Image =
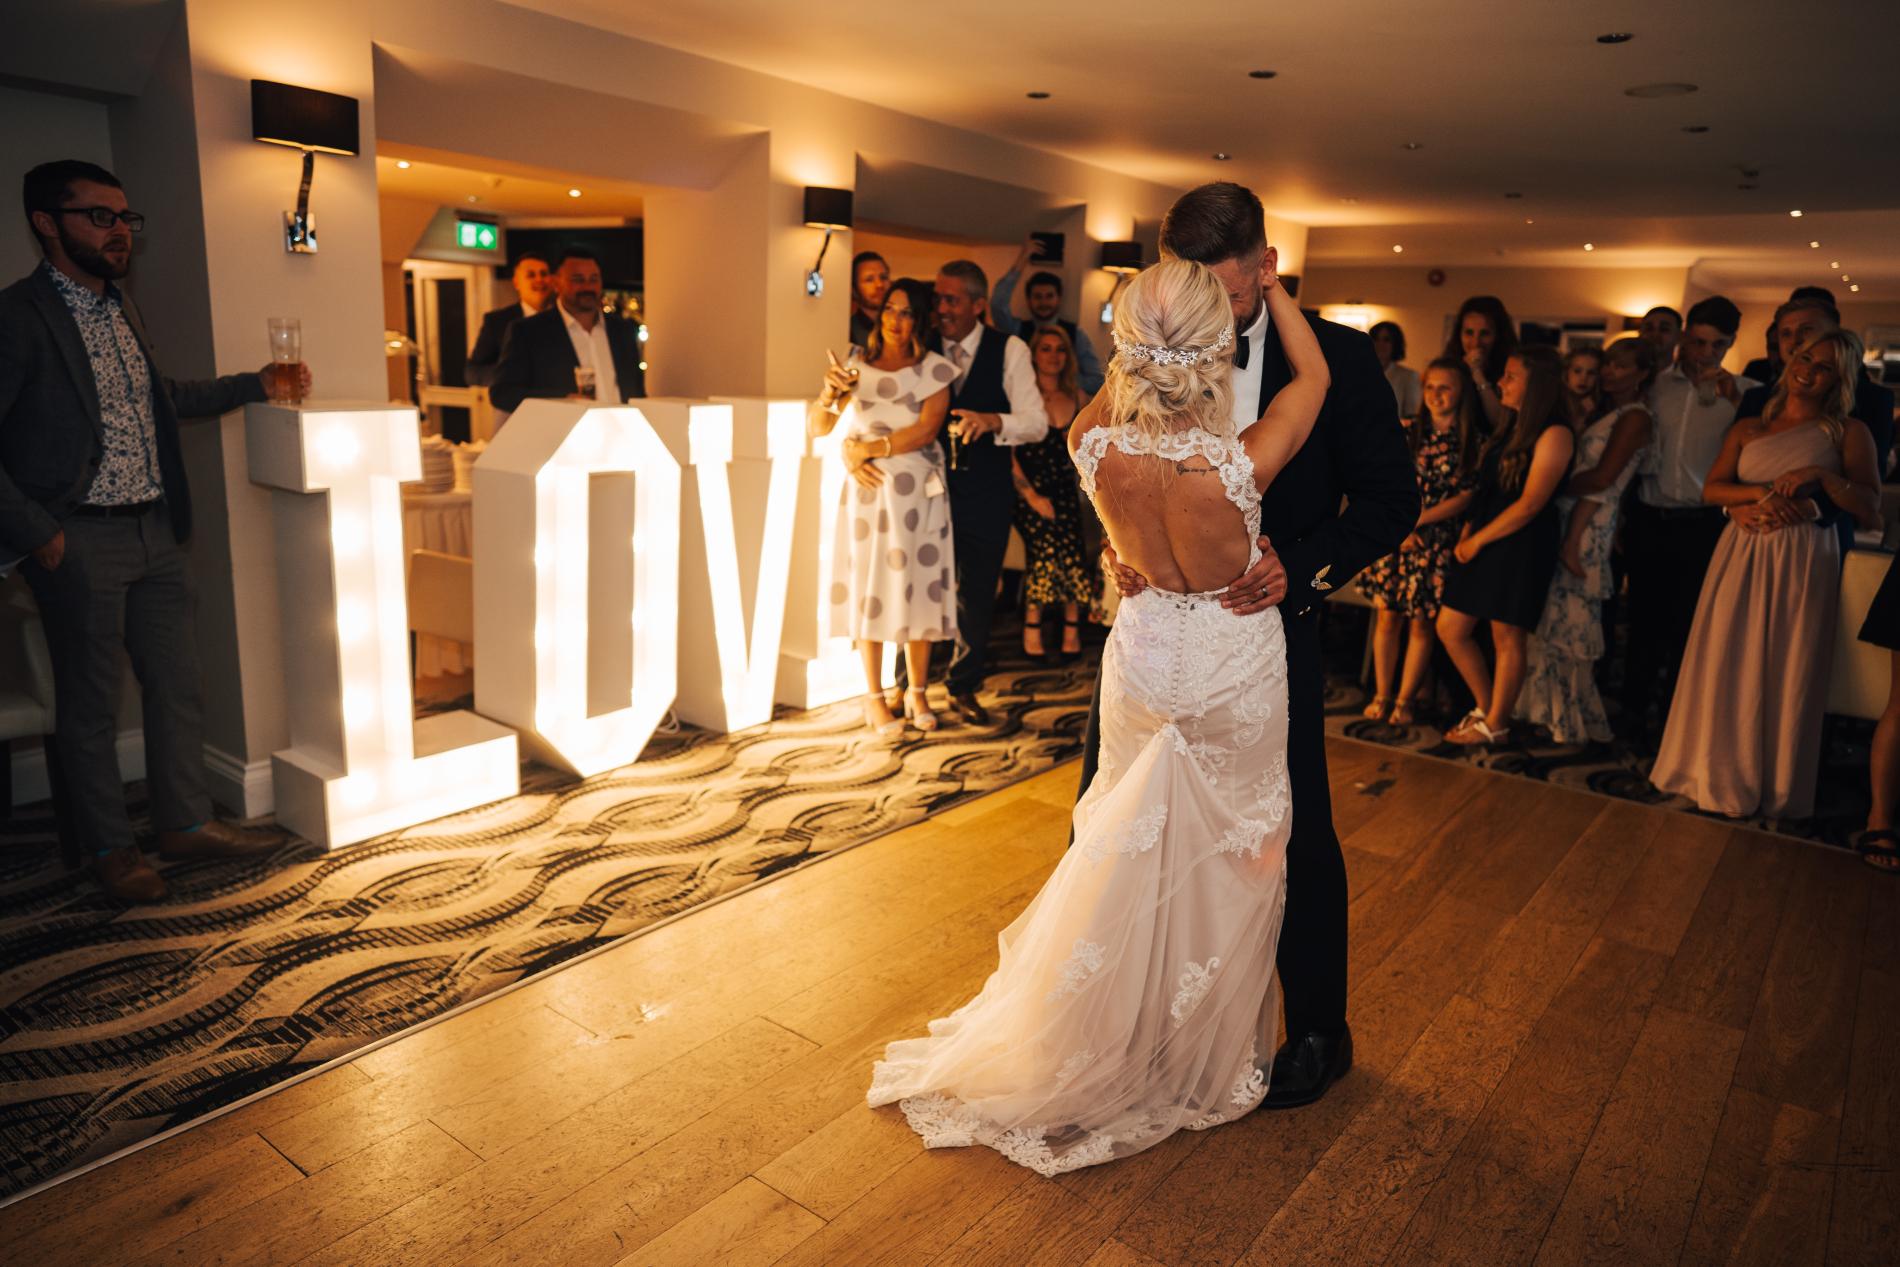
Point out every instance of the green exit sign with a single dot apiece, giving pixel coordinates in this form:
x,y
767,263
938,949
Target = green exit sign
x,y
473,235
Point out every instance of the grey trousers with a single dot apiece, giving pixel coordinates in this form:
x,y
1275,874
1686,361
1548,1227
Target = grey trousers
x,y
122,587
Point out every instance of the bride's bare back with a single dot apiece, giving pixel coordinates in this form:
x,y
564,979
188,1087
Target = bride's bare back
x,y
1171,519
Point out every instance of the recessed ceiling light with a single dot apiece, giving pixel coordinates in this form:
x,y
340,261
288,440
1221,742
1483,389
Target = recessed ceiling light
x,y
1846,278
1530,222
1412,145
1397,249
1695,129
1262,74
1833,263
1815,245
1796,214
473,198
1855,288
1514,195
403,163
1615,37
1222,156
1659,90
1589,246
573,193
1037,96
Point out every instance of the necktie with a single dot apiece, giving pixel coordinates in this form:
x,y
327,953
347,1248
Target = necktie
x,y
1243,347
958,358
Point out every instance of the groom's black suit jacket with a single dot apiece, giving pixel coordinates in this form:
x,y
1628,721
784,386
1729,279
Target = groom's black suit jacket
x,y
1357,453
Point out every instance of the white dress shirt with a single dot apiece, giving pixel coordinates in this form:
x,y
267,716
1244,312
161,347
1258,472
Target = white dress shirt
x,y
1027,421
1247,382
1406,389
596,354
1688,439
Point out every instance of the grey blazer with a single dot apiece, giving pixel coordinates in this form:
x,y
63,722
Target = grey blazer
x,y
51,435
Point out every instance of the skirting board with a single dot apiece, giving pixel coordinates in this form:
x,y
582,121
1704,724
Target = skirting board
x,y
232,783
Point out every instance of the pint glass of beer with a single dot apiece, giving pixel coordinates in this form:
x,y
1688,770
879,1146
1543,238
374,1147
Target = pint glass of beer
x,y
285,380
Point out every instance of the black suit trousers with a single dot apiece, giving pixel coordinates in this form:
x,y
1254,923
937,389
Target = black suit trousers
x,y
1312,957
1666,555
980,518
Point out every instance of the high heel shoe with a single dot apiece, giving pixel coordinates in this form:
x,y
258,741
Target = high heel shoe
x,y
885,727
1071,631
917,710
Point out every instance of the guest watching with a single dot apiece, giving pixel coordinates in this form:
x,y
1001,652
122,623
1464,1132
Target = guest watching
x,y
893,567
1744,731
1505,556
1560,689
93,494
1049,503
1405,587
534,287
994,406
1483,336
1043,295
543,352
1879,844
870,282
1671,532
1581,368
1388,341
1661,328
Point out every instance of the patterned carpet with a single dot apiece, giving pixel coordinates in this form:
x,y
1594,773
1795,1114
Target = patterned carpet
x,y
1619,769
115,1025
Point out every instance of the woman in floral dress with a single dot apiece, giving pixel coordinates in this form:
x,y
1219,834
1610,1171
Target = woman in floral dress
x,y
1404,586
1049,504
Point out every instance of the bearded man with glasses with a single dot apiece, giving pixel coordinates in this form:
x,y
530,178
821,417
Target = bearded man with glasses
x,y
95,509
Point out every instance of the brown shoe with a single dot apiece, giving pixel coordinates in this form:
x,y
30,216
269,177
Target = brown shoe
x,y
968,709
128,877
216,840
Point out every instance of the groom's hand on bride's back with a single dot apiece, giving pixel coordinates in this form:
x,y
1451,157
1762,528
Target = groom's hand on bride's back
x,y
1261,586
1128,582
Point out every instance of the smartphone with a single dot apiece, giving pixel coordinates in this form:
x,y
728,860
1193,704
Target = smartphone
x,y
1048,248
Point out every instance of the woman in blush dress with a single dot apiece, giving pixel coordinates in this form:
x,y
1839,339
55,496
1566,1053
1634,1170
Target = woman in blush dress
x,y
1504,559
1405,587
1560,689
893,571
1744,729
1136,995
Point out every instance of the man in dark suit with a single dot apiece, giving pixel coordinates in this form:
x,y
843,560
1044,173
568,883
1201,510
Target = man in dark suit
x,y
542,352
93,501
1357,453
534,286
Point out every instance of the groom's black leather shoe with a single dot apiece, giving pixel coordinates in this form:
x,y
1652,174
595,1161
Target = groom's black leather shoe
x,y
1305,1067
968,709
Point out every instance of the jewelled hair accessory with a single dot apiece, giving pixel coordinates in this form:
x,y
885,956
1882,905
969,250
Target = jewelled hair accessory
x,y
1174,356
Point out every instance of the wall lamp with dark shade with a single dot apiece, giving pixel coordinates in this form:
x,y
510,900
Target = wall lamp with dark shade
x,y
309,120
830,210
1124,260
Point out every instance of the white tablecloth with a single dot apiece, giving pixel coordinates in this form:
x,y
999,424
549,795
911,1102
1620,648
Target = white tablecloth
x,y
444,522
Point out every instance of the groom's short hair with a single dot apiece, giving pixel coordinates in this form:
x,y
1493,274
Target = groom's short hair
x,y
1216,222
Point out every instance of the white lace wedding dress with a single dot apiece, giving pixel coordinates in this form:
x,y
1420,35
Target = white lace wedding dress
x,y
1136,994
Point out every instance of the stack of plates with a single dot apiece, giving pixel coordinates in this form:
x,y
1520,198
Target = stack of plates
x,y
465,458
438,465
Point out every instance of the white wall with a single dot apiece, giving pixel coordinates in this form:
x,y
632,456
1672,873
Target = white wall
x,y
37,127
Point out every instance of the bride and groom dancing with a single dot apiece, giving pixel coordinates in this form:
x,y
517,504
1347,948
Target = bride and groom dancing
x,y
1137,994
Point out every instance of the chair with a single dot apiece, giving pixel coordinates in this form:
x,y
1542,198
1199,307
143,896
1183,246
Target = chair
x,y
26,710
441,598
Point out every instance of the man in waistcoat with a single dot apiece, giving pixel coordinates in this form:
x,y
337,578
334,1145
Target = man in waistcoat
x,y
994,406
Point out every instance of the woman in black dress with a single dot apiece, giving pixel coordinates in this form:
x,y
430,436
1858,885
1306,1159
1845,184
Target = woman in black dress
x,y
1048,505
1880,843
1508,552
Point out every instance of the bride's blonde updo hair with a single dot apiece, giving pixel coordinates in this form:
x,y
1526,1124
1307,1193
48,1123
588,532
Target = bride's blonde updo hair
x,y
1179,305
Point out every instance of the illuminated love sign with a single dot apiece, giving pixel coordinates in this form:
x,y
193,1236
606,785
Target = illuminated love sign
x,y
607,589
358,764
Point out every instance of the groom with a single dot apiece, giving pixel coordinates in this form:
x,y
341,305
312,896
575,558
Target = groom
x,y
1357,453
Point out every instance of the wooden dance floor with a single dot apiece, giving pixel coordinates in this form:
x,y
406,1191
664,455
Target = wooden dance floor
x,y
1587,1031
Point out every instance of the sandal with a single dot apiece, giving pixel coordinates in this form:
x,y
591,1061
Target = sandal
x,y
1032,640
1475,732
885,727
1401,714
1071,632
917,710
1377,709
1879,849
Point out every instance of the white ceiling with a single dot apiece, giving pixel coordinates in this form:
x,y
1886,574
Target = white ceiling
x,y
1501,95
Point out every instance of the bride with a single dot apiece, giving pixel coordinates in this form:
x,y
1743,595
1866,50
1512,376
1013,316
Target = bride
x,y
1135,996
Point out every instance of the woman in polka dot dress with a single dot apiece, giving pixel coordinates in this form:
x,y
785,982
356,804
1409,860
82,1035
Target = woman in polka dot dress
x,y
893,572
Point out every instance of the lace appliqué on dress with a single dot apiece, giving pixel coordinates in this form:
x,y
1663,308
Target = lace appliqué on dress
x,y
1084,961
1139,835
1196,980
1272,797
1249,1089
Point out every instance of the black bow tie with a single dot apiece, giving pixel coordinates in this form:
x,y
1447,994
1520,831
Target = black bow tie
x,y
1243,347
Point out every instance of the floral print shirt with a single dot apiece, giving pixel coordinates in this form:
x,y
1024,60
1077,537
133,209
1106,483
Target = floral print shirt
x,y
128,470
